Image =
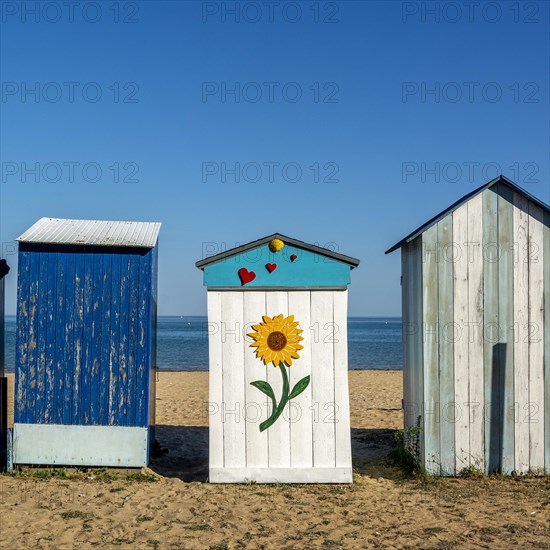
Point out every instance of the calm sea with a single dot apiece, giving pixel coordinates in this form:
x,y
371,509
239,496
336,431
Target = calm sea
x,y
374,343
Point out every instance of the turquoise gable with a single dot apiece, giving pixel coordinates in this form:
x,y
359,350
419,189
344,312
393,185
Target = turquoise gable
x,y
307,269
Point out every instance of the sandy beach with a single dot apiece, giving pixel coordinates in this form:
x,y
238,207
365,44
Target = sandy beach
x,y
170,505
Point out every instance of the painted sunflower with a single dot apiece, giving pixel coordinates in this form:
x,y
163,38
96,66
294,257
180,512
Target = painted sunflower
x,y
277,340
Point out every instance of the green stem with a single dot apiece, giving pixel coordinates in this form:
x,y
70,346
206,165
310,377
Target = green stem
x,y
277,410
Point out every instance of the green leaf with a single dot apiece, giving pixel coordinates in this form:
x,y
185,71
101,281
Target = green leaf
x,y
299,387
265,388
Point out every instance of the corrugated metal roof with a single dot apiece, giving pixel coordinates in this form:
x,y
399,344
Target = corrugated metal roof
x,y
92,233
500,179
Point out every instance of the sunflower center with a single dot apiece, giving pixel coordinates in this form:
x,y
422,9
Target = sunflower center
x,y
276,341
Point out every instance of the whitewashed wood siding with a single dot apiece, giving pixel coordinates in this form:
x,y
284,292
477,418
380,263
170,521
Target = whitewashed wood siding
x,y
476,336
311,440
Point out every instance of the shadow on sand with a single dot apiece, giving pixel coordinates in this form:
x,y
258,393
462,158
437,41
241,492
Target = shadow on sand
x,y
187,457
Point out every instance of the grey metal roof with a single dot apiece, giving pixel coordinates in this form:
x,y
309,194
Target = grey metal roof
x,y
92,233
353,262
500,179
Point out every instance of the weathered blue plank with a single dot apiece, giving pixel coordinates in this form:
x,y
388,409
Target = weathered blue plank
x,y
142,382
33,343
78,338
22,342
114,344
41,335
505,349
87,339
446,344
133,339
105,339
50,380
70,315
122,388
60,320
95,372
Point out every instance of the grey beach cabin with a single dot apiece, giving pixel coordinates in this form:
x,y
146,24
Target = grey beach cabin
x,y
86,343
476,334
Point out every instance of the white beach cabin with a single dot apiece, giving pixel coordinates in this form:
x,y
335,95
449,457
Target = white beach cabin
x,y
277,323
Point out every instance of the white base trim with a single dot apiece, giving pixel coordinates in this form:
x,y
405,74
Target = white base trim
x,y
48,444
281,475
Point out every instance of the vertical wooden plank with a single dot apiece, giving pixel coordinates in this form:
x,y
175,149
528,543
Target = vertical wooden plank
x,y
474,330
215,381
258,405
461,316
506,324
105,312
22,348
341,389
447,409
417,351
88,337
406,336
79,337
41,336
142,374
322,379
69,338
491,376
51,324
133,338
60,320
114,340
535,408
300,409
122,387
546,416
430,307
234,430
30,415
279,433
95,373
521,320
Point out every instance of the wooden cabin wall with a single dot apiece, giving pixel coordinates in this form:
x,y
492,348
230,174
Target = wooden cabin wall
x,y
485,349
314,432
83,338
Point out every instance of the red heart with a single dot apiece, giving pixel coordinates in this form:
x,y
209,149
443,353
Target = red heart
x,y
271,267
293,257
246,276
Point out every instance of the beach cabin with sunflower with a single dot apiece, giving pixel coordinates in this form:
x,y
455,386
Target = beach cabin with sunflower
x,y
278,386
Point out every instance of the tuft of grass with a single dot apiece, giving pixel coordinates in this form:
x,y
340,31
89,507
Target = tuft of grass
x,y
147,478
471,471
406,453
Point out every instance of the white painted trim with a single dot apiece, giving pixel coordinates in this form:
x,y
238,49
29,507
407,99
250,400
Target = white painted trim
x,y
281,475
48,444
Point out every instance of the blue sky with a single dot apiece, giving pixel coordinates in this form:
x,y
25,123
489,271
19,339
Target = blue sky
x,y
401,111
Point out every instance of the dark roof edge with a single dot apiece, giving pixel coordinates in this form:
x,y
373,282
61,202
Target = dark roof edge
x,y
353,262
465,198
